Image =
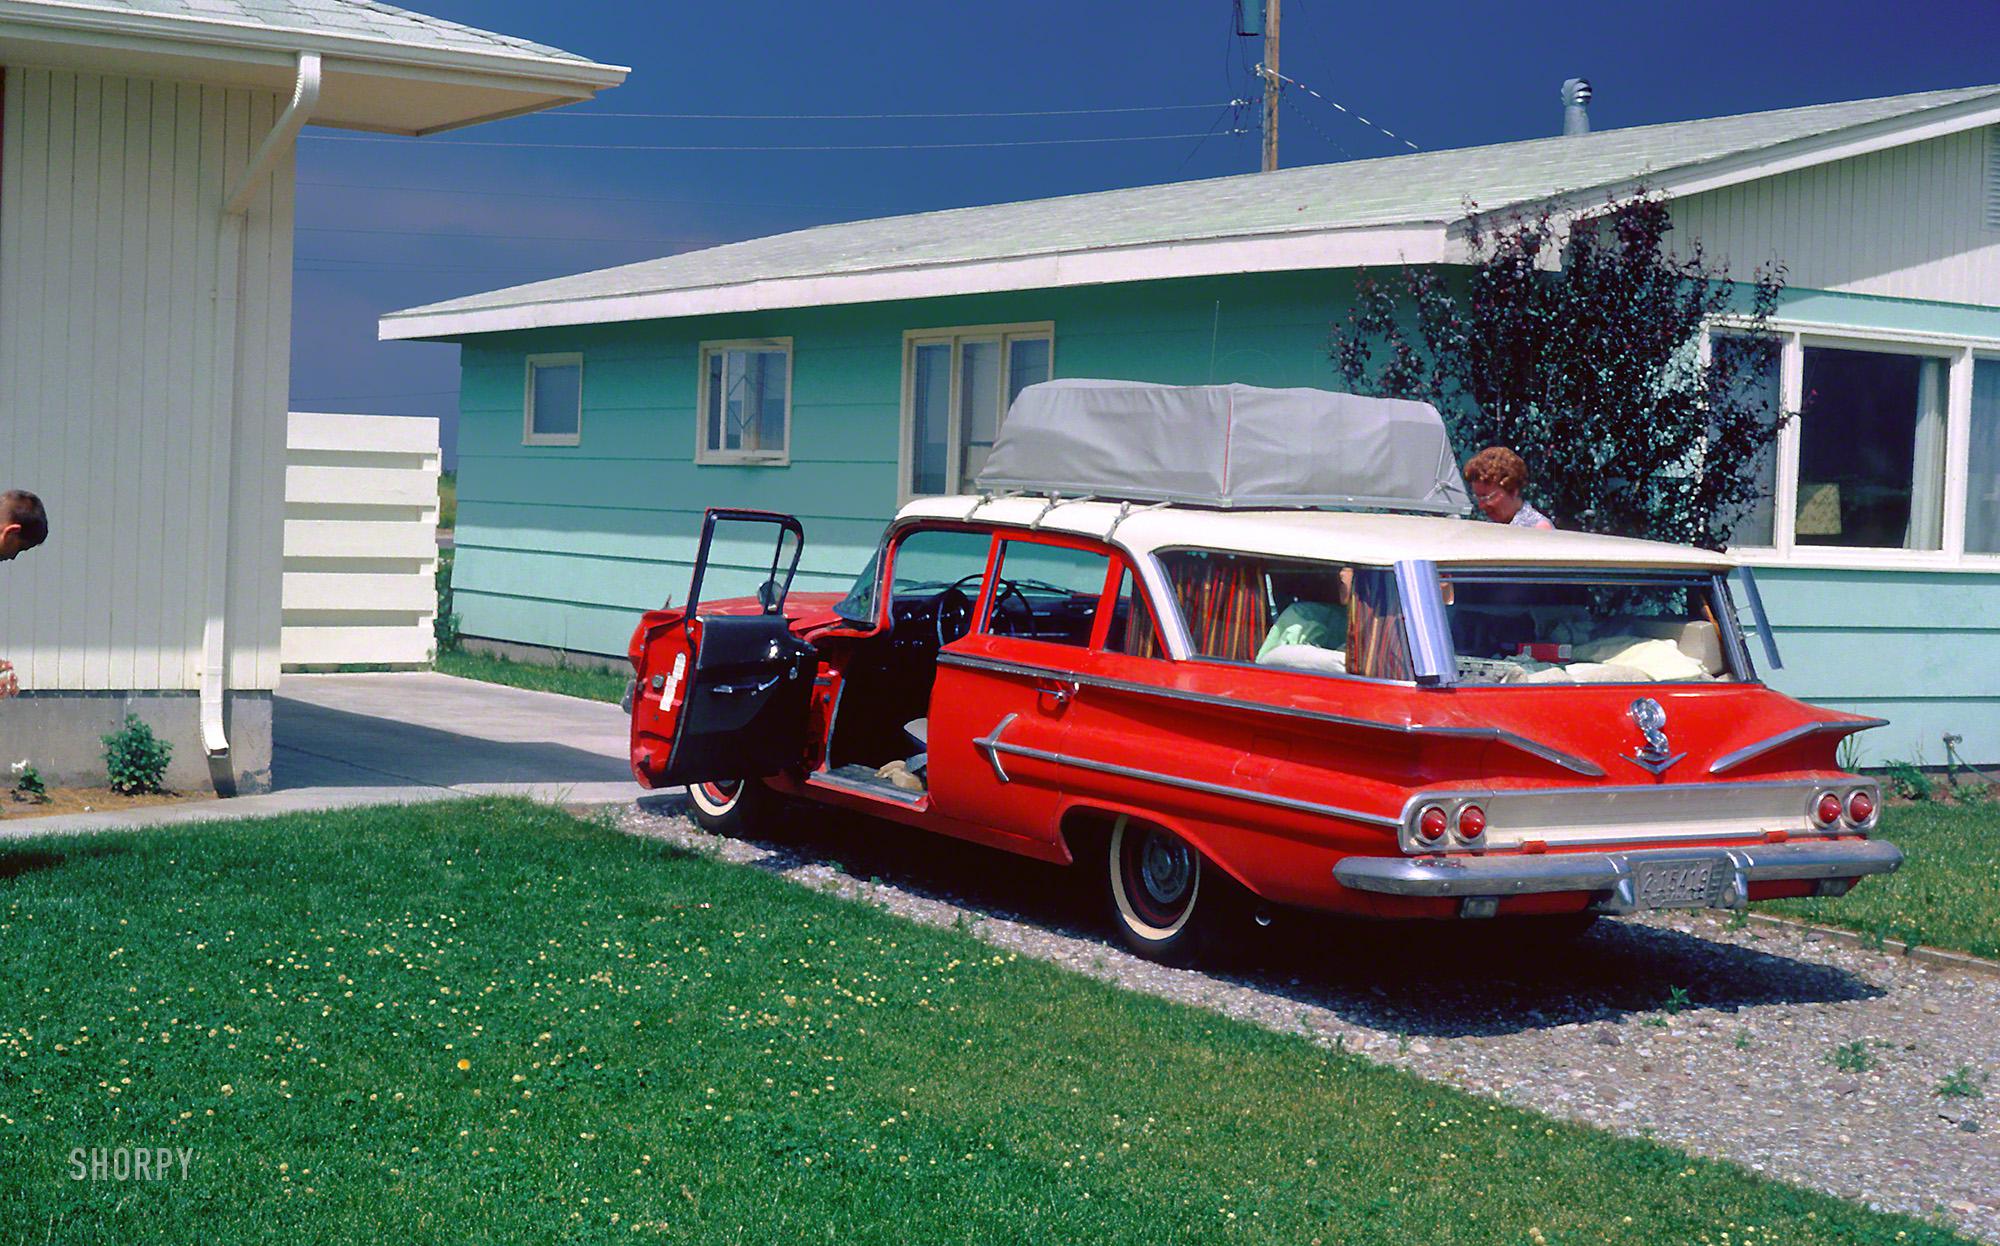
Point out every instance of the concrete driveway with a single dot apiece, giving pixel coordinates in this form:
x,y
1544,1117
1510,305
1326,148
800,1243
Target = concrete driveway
x,y
397,737
424,730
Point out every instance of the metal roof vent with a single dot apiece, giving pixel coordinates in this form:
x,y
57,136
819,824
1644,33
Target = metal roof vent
x,y
1576,106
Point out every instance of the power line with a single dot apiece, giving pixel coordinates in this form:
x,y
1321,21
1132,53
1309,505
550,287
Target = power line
x,y
1314,127
470,236
761,147
420,393
1233,114
1342,107
568,196
333,264
885,116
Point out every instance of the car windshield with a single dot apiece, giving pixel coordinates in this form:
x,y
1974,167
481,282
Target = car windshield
x,y
927,562
1556,627
1298,614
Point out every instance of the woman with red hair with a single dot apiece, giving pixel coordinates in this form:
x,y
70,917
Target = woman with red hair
x,y
1496,476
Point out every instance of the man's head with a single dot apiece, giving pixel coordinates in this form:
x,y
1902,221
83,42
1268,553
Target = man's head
x,y
23,522
1495,475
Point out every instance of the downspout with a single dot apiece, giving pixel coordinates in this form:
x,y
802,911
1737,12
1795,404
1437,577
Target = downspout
x,y
226,300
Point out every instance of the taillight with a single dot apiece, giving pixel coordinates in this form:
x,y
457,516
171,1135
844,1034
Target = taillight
x,y
1431,824
1471,823
1827,811
1860,806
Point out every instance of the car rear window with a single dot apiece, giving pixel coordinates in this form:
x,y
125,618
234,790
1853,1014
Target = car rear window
x,y
1551,627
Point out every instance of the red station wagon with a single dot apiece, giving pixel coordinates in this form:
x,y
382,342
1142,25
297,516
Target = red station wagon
x,y
1236,649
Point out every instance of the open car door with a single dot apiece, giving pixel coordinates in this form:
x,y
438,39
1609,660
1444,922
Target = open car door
x,y
723,691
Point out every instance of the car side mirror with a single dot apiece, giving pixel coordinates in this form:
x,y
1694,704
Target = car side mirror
x,y
767,596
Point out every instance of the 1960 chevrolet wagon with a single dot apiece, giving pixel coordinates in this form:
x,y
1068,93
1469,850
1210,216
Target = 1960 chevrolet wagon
x,y
1232,648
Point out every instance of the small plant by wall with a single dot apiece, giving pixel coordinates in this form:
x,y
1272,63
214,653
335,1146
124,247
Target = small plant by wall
x,y
28,785
1907,780
135,760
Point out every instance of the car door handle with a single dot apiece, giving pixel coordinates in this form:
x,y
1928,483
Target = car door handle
x,y
732,690
1060,693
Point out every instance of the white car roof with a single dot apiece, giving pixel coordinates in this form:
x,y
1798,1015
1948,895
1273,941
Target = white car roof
x,y
1341,536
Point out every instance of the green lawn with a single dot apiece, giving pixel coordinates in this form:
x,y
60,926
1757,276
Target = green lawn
x,y
575,681
494,1022
1946,895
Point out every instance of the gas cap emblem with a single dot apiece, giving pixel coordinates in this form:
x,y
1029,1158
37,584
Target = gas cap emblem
x,y
1656,754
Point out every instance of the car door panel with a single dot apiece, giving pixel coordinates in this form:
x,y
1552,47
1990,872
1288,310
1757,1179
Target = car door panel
x,y
724,691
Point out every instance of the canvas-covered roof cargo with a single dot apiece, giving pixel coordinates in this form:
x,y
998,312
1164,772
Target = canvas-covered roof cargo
x,y
1226,446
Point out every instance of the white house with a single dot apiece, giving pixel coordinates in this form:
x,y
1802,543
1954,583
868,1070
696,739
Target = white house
x,y
146,208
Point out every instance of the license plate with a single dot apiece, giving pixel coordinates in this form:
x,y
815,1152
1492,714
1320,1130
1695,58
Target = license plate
x,y
1672,884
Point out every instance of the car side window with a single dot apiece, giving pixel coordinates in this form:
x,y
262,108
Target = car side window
x,y
1133,630
1049,593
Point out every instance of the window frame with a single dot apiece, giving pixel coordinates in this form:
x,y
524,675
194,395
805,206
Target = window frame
x,y
1959,351
555,359
1181,647
1100,620
704,456
956,336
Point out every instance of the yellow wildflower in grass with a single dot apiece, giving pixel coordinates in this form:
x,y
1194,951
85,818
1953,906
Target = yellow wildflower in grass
x,y
464,1065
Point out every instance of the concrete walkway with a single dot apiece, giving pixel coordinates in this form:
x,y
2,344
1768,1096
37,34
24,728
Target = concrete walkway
x,y
344,740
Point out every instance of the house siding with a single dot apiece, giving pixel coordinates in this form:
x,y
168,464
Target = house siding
x,y
112,399
1909,222
1921,649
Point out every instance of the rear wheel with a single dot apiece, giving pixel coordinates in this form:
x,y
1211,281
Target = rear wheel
x,y
738,808
1165,903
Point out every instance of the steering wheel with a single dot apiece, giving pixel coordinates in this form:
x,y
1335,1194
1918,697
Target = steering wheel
x,y
1009,588
953,615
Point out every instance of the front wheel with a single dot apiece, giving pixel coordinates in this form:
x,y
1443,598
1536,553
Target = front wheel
x,y
739,808
1164,903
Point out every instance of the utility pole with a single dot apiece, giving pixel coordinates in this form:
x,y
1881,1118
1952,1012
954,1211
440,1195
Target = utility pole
x,y
1272,83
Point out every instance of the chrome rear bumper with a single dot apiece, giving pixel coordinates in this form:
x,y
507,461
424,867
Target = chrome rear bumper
x,y
1612,874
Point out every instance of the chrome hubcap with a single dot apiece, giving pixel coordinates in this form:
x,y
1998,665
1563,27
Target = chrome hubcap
x,y
1164,869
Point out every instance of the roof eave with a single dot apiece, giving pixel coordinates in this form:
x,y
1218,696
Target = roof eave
x,y
236,53
1410,243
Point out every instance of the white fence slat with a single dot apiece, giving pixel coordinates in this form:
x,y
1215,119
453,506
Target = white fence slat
x,y
372,592
370,486
332,646
385,434
345,538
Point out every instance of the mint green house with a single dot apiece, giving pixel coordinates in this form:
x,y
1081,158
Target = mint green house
x,y
837,372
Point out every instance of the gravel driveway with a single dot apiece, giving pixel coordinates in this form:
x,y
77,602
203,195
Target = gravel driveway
x,y
1796,1056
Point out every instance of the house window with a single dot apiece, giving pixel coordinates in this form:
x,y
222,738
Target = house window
x,y
1893,460
1982,484
745,402
1755,375
1871,451
957,386
554,414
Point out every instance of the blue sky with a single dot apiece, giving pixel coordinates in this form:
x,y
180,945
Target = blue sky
x,y
389,224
